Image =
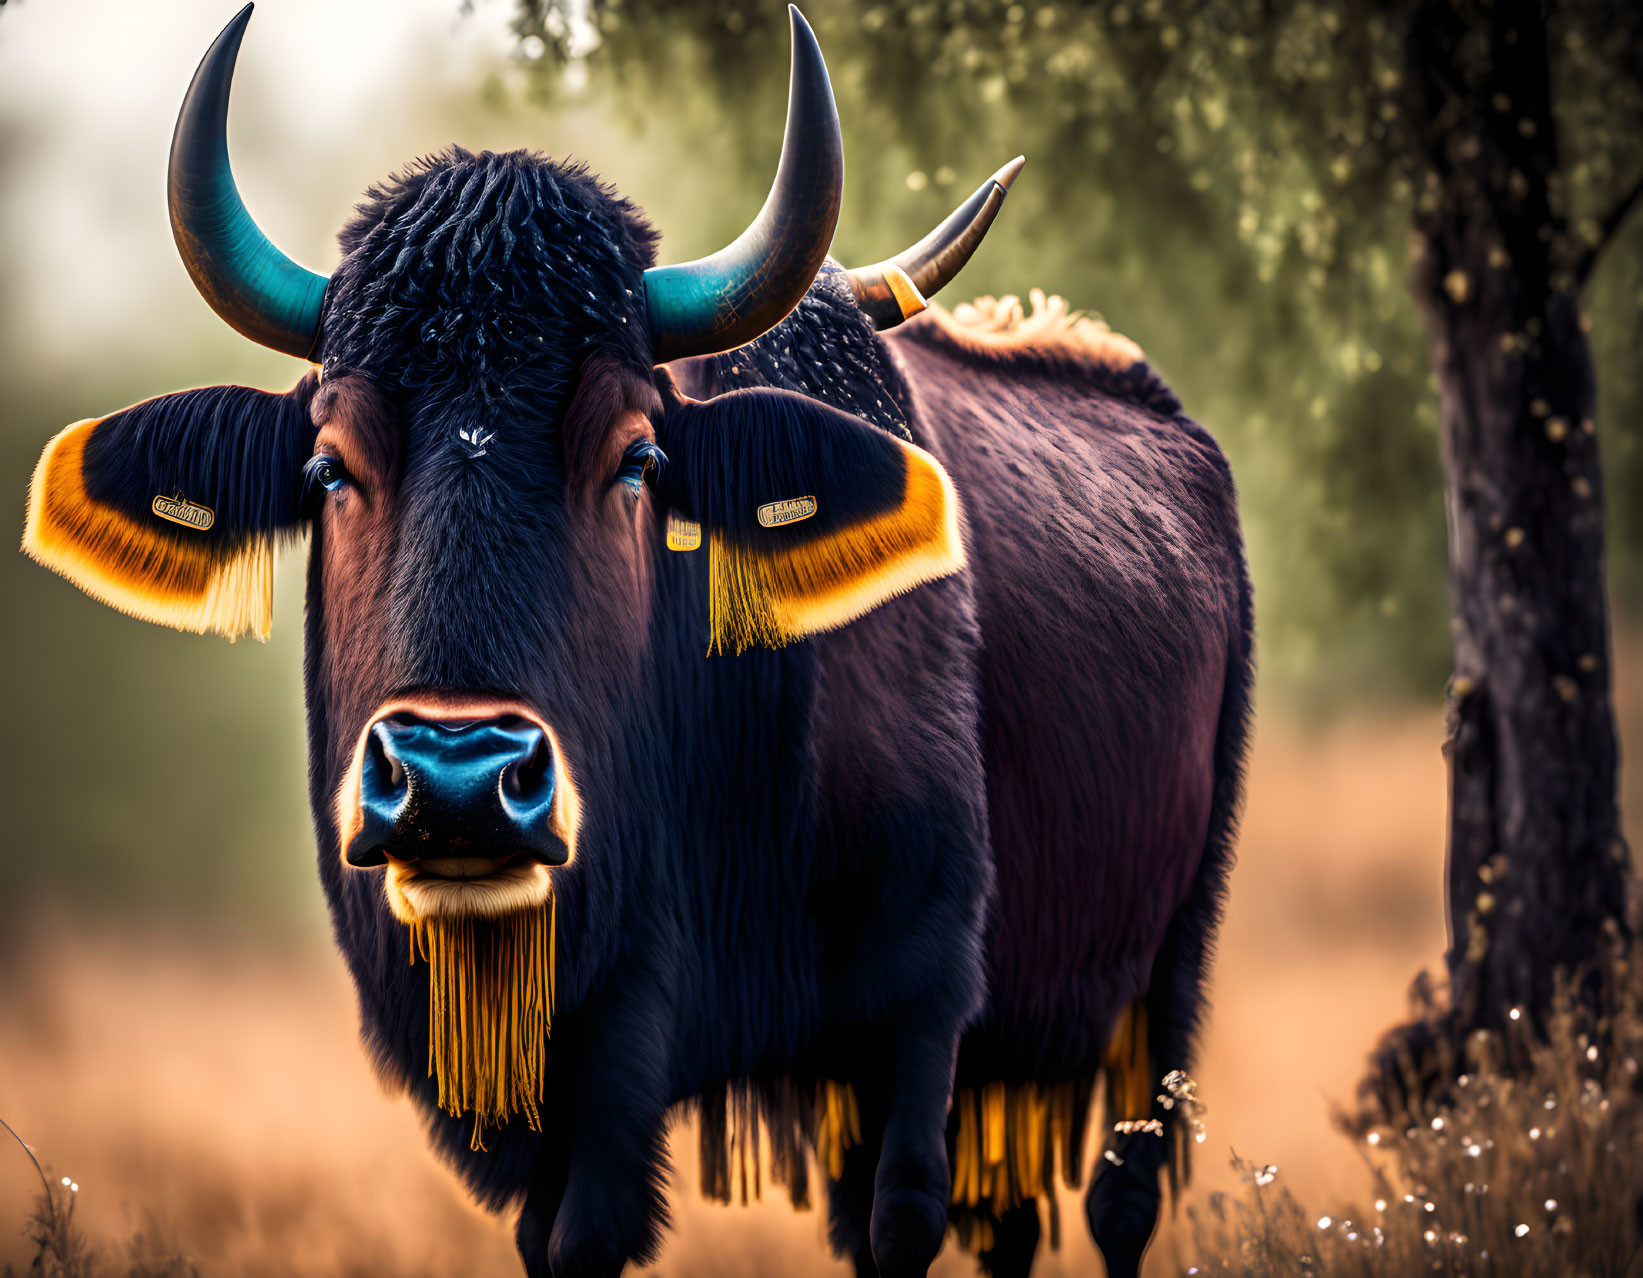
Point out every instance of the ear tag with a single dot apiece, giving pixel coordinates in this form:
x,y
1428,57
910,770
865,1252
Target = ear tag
x,y
179,510
774,514
682,534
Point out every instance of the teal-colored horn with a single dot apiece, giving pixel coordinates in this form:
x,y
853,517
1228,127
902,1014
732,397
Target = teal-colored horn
x,y
246,280
745,289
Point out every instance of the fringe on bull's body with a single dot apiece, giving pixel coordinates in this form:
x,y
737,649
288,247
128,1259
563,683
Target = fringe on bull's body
x,y
1006,1140
490,1012
754,1132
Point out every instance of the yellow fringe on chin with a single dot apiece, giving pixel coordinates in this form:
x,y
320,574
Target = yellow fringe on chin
x,y
141,572
768,599
490,1007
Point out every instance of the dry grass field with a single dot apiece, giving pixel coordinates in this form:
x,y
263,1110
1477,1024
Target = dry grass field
x,y
211,1101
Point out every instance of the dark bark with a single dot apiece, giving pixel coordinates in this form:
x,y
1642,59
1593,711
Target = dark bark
x,y
1536,863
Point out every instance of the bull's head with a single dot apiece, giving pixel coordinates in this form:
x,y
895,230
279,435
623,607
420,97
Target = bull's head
x,y
521,535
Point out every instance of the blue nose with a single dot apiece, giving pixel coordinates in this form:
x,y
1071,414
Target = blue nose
x,y
456,788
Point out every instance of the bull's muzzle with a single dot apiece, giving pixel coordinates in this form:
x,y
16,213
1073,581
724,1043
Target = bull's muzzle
x,y
459,799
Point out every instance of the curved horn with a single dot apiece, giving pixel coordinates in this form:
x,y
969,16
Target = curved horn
x,y
243,277
745,289
896,289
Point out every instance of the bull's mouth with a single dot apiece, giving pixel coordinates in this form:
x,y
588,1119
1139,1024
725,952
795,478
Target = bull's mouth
x,y
466,887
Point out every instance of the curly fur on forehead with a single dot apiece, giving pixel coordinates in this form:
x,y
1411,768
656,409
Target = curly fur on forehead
x,y
496,274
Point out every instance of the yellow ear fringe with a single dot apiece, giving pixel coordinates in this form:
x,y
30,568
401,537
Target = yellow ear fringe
x,y
490,1010
116,560
764,599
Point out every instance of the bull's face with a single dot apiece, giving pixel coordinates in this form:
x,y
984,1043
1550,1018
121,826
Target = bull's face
x,y
496,483
481,494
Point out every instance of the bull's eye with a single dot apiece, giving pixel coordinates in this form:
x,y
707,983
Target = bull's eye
x,y
641,464
323,474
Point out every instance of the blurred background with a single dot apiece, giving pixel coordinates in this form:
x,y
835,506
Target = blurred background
x,y
176,1032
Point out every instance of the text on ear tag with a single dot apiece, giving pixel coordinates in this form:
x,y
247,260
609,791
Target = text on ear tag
x,y
187,513
683,534
774,514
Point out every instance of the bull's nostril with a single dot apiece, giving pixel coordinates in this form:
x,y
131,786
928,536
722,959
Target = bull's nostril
x,y
386,768
531,773
527,783
485,785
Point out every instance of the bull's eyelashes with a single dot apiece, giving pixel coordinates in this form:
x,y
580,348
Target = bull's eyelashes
x,y
322,474
642,464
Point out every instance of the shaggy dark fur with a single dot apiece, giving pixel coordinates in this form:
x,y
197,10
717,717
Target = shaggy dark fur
x,y
1115,678
786,858
762,870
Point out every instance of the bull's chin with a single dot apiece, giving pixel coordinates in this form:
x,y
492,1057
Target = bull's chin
x,y
465,887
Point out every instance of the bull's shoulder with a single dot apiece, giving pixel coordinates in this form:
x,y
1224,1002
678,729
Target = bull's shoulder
x,y
999,334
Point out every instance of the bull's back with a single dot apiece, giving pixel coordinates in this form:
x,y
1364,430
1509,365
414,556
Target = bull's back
x,y
1103,542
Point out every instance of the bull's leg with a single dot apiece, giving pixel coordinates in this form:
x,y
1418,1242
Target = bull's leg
x,y
612,1208
1015,1242
912,1183
541,1206
1122,1203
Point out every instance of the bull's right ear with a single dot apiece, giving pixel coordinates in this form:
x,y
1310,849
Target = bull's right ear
x,y
169,510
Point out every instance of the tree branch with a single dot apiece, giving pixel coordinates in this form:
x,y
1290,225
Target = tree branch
x,y
1607,228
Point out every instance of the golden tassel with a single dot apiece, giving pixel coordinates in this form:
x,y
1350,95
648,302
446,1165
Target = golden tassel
x,y
768,598
191,583
490,1003
1130,1084
1009,1139
838,1126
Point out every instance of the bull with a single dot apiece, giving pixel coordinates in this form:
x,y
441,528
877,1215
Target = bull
x,y
745,696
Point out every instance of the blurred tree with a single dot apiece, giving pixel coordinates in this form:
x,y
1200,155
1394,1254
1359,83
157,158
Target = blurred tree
x,y
1536,860
1261,164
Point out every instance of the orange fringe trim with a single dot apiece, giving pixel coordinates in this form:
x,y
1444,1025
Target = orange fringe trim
x,y
137,570
795,1122
490,1009
1010,1138
759,599
1012,1135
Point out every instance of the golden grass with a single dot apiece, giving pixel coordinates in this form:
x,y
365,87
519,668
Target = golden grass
x,y
210,1093
1530,1167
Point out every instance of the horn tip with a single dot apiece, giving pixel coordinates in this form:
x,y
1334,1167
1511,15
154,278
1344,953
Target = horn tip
x,y
1008,174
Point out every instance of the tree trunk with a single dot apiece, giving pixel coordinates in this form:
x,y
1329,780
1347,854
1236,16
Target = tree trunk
x,y
1537,867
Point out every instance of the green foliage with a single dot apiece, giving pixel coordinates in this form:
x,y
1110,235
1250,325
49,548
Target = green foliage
x,y
1229,184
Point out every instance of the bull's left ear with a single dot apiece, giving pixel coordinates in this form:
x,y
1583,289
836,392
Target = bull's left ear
x,y
169,510
812,517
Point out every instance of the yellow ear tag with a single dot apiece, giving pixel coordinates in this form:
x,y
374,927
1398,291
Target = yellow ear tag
x,y
187,513
774,514
683,534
